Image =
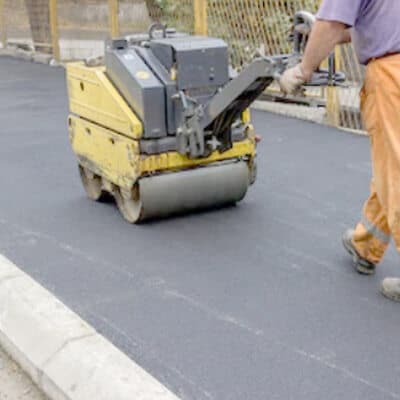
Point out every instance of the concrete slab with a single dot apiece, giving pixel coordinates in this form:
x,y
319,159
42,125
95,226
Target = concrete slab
x,y
93,369
311,114
42,58
63,355
14,383
32,321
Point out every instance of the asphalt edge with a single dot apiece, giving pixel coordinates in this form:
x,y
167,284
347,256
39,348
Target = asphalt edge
x,y
63,355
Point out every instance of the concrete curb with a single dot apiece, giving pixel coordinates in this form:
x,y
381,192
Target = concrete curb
x,y
305,113
65,356
312,114
28,55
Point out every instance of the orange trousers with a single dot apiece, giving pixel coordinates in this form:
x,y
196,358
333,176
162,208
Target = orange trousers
x,y
380,104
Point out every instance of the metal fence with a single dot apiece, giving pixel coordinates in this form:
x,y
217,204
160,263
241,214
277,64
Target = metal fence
x,y
76,29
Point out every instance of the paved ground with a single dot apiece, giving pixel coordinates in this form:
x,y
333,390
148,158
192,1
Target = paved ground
x,y
14,385
253,302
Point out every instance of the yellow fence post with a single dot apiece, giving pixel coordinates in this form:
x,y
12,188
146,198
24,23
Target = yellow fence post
x,y
200,17
3,29
113,9
333,98
55,39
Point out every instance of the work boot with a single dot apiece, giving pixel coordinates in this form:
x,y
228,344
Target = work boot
x,y
362,265
390,288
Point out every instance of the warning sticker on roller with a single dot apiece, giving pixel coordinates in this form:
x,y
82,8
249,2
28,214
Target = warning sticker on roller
x,y
143,75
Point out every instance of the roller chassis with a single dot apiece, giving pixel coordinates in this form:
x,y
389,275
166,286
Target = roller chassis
x,y
106,137
163,127
115,157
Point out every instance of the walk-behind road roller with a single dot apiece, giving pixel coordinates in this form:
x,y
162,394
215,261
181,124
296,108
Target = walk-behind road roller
x,y
163,125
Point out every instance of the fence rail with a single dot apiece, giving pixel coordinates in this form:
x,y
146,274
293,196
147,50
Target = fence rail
x,y
76,29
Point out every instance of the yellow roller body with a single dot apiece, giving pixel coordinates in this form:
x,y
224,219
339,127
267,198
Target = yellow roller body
x,y
92,96
105,136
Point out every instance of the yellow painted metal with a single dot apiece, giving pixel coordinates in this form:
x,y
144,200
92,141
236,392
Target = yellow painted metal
x,y
112,156
113,10
55,40
116,157
200,16
246,116
332,99
93,97
105,133
173,161
3,29
332,106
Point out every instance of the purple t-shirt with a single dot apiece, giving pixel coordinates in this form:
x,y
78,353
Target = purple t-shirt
x,y
375,23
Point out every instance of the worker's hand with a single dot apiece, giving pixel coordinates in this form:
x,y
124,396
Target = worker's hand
x,y
292,80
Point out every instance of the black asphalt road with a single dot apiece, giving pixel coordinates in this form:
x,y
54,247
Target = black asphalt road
x,y
253,302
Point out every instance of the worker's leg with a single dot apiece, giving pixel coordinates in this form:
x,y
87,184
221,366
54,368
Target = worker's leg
x,y
381,105
371,237
386,141
387,156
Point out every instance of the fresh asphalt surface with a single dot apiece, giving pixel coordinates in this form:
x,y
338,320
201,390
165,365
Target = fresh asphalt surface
x,y
253,302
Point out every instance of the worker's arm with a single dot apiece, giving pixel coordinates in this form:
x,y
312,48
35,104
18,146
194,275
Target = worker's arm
x,y
324,36
346,38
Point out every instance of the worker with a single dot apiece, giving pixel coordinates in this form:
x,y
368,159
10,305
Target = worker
x,y
374,28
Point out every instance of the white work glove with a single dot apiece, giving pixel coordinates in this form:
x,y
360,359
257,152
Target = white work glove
x,y
292,80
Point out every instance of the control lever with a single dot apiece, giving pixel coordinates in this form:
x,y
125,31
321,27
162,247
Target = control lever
x,y
303,24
